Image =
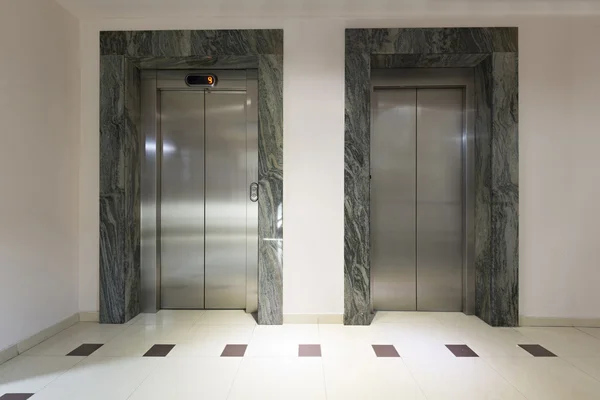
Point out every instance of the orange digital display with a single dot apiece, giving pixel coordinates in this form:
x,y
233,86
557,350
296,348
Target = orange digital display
x,y
201,80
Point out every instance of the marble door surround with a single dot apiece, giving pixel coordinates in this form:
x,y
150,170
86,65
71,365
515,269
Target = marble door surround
x,y
123,54
493,54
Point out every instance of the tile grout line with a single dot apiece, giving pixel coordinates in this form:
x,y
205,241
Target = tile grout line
x,y
589,334
237,371
578,368
55,379
322,362
141,383
414,378
503,377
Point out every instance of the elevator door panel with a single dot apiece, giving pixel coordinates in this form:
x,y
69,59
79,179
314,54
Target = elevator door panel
x,y
182,199
393,199
416,199
439,200
226,194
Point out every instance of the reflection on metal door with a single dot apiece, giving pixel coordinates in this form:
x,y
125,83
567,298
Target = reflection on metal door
x,y
439,202
416,199
182,199
199,220
226,196
393,200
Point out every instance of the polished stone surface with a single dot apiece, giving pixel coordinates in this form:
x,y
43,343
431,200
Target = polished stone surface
x,y
132,155
536,350
272,368
461,350
492,53
505,191
114,255
357,285
426,60
270,195
123,54
183,43
198,62
483,187
432,40
85,350
119,190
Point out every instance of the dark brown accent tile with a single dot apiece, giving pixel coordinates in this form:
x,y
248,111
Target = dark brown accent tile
x,y
461,350
385,350
234,350
536,350
85,349
159,350
309,350
16,396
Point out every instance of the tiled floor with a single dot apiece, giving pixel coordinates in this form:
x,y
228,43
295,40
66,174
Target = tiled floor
x,y
225,355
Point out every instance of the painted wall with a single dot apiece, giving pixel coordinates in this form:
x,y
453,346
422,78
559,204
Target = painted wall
x,y
39,162
559,219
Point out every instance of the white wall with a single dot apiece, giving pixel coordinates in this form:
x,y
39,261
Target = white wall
x,y
558,139
560,169
39,162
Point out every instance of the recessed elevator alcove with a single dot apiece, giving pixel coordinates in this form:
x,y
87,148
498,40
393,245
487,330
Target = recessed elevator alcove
x,y
124,57
490,250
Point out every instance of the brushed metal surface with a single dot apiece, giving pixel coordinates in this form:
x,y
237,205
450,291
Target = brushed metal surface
x,y
439,199
149,255
444,78
173,111
182,199
251,176
393,201
226,197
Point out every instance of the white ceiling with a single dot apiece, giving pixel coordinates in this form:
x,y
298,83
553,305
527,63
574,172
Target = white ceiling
x,y
93,9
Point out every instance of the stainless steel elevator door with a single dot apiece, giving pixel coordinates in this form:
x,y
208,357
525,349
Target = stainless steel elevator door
x,y
416,204
199,243
182,199
393,199
226,197
439,199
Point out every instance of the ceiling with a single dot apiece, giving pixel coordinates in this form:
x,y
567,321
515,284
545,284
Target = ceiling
x,y
94,9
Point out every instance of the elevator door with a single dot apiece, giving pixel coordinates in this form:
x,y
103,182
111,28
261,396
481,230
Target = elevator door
x,y
416,199
203,200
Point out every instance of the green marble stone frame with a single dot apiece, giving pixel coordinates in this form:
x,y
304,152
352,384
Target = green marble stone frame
x,y
122,55
493,54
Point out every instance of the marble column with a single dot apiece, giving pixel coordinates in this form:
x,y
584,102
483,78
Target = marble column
x,y
492,52
123,54
119,190
504,272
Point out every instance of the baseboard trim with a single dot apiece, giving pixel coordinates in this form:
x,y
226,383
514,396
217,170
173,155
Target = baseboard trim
x,y
313,318
24,345
39,337
551,322
8,353
89,316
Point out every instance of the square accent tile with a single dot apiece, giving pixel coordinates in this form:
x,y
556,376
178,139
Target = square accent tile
x,y
85,350
385,350
234,350
159,350
16,396
536,350
461,350
309,350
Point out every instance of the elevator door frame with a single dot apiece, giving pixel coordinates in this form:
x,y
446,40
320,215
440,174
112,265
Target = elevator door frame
x,y
152,83
423,78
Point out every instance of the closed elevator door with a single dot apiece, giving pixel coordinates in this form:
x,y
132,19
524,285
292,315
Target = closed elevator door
x,y
416,199
203,199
